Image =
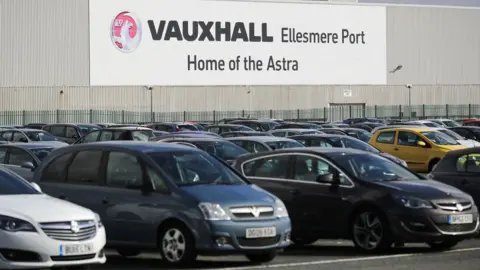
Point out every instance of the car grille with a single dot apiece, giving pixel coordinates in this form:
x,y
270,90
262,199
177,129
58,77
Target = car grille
x,y
258,242
454,206
70,230
252,212
454,228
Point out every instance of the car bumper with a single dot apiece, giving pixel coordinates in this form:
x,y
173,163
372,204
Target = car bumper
x,y
431,225
33,250
230,236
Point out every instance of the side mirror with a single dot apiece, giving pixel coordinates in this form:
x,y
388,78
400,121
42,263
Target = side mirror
x,y
36,186
421,144
28,165
327,178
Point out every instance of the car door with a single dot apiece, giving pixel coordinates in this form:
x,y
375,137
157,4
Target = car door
x,y
406,148
59,132
71,134
90,137
322,206
467,178
385,142
106,135
19,137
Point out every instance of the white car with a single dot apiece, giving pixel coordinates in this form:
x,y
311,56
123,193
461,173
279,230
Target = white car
x,y
39,231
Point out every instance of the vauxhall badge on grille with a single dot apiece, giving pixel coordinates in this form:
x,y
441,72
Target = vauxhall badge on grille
x,y
74,226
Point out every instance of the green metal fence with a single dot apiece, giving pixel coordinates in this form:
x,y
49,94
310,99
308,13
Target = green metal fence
x,y
328,114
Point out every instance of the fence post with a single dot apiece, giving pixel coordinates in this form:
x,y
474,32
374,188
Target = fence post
x,y
243,113
214,117
271,114
90,116
375,111
57,120
298,114
400,113
446,110
350,111
123,116
184,116
24,116
469,110
423,111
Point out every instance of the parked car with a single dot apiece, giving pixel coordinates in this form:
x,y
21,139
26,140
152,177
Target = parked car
x,y
342,141
345,193
445,122
257,125
166,190
293,131
336,131
199,132
228,120
222,128
158,133
468,132
297,125
367,126
425,123
358,133
29,136
461,169
395,126
118,134
39,231
171,126
243,134
421,148
217,147
69,133
352,121
264,143
472,122
34,125
23,158
334,125
176,135
460,139
199,126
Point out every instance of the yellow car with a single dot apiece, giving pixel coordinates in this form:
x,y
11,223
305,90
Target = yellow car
x,y
421,148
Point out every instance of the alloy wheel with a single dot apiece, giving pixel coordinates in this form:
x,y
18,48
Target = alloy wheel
x,y
368,231
173,245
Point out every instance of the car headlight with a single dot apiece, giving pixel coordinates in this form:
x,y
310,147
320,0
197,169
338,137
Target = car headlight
x,y
213,211
412,202
11,224
280,209
98,220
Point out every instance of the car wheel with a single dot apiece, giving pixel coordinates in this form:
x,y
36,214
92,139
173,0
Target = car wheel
x,y
304,241
176,245
370,231
126,252
262,257
443,245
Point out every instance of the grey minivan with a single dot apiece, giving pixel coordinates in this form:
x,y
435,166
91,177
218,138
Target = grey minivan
x,y
176,199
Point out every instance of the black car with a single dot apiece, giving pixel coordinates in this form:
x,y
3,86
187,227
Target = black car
x,y
288,125
368,126
461,169
222,149
257,125
468,132
69,133
334,193
293,131
28,135
119,134
222,128
358,133
34,125
335,131
171,126
228,120
334,125
244,133
341,141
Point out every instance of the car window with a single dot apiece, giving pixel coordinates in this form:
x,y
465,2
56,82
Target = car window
x,y
439,138
320,143
123,170
222,149
42,153
265,126
86,129
18,157
254,147
142,135
57,131
106,135
164,128
408,139
386,137
302,141
13,184
229,135
19,137
40,136
3,153
187,128
158,182
269,167
7,135
212,129
70,132
245,128
469,163
308,168
450,123
452,134
276,145
279,134
91,137
359,145
85,167
54,171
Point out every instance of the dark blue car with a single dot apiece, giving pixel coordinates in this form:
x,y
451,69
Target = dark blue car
x,y
176,199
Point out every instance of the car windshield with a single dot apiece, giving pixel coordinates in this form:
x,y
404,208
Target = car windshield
x,y
87,129
347,142
221,149
431,124
439,138
275,145
142,135
450,123
42,153
362,135
39,136
195,168
373,168
452,134
13,184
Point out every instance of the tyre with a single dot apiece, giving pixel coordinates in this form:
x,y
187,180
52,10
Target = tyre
x,y
443,245
371,231
126,252
177,245
262,257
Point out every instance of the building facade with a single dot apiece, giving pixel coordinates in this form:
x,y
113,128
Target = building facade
x,y
45,65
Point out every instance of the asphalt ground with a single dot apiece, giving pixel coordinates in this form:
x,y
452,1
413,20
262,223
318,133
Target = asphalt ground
x,y
325,255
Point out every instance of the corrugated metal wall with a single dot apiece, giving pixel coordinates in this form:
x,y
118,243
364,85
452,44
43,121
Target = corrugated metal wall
x,y
44,51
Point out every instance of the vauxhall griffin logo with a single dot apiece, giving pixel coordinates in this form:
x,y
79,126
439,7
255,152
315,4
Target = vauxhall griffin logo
x,y
126,32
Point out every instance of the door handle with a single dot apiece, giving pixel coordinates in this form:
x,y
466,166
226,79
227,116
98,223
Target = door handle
x,y
295,191
63,197
396,149
105,201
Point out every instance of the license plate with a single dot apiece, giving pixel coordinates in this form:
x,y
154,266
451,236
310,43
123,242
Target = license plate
x,y
79,249
460,219
261,232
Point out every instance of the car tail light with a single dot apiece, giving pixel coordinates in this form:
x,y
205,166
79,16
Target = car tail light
x,y
177,129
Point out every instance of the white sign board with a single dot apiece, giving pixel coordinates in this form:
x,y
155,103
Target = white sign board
x,y
347,93
202,42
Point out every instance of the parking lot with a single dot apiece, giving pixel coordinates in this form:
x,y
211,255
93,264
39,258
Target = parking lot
x,y
328,255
